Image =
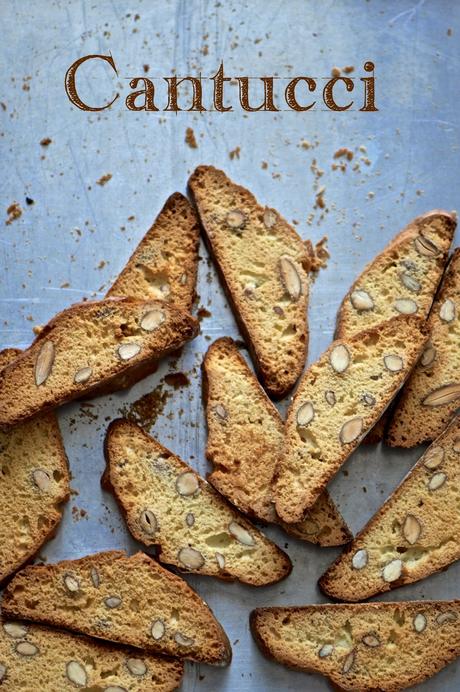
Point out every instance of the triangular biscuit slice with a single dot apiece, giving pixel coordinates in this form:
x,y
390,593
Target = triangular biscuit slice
x,y
169,505
245,437
34,482
164,264
365,647
33,657
414,534
264,267
432,393
340,397
87,346
129,600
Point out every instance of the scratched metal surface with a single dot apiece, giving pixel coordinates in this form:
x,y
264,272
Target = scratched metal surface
x,y
77,235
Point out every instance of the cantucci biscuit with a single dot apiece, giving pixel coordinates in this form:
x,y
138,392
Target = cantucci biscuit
x,y
364,647
129,600
164,264
88,346
245,436
33,657
264,267
34,483
414,534
167,504
432,393
340,397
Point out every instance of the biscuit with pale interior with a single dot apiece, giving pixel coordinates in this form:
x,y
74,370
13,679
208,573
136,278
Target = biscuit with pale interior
x,y
168,505
129,600
264,267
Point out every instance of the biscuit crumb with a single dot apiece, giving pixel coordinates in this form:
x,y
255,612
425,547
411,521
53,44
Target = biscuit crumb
x,y
46,141
37,329
343,151
190,138
319,254
235,153
14,212
336,72
104,179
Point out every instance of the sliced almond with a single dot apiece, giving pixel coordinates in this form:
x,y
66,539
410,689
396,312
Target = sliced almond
x,y
2,672
411,529
433,457
183,640
393,363
351,430
406,306
236,219
448,616
330,397
371,640
309,526
152,320
360,559
76,673
71,583
157,629
348,662
428,356
187,484
136,666
44,362
190,519
26,649
447,311
41,479
115,688
113,601
339,358
392,570
410,282
220,559
368,399
191,558
443,395
83,375
325,650
456,445
183,279
426,247
148,521
95,577
241,534
221,412
128,351
419,622
361,300
15,630
305,414
270,218
290,277
436,481
278,310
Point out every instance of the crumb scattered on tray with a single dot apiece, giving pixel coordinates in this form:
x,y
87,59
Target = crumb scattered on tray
x,y
190,138
46,141
37,329
234,153
343,151
177,379
146,410
104,179
14,212
30,201
319,254
203,313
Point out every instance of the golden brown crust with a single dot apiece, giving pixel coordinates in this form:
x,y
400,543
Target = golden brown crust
x,y
413,422
293,636
130,456
36,593
89,334
164,264
250,273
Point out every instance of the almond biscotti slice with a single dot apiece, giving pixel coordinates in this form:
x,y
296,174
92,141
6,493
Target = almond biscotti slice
x,y
364,647
245,437
34,483
164,264
414,534
432,393
130,600
264,266
169,505
401,279
60,661
340,397
87,346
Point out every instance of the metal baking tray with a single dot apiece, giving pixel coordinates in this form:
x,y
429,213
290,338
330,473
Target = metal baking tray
x,y
76,235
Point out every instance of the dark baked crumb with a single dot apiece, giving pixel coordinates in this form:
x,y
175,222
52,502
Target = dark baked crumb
x,y
190,138
177,379
46,141
14,212
104,179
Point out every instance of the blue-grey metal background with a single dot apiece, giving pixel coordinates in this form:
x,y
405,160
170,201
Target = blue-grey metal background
x,y
77,235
